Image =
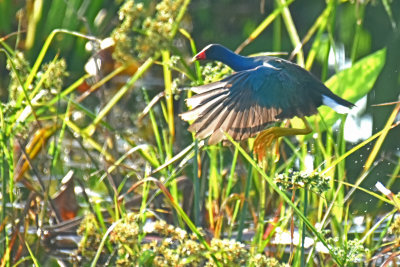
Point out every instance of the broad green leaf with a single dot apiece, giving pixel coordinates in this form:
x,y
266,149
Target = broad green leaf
x,y
351,84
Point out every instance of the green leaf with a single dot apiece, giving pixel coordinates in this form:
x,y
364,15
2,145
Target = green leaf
x,y
351,84
147,258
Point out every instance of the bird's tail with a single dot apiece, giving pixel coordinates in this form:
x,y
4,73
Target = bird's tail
x,y
337,103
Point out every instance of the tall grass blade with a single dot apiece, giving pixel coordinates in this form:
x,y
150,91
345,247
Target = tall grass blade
x,y
291,28
371,158
168,93
118,96
263,25
286,199
196,184
243,210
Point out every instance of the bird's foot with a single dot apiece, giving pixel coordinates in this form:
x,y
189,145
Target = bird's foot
x,y
264,141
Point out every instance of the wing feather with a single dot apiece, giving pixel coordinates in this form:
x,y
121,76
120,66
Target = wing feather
x,y
246,102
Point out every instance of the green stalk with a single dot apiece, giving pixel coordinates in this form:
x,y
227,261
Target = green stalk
x,y
103,243
286,199
277,32
263,25
194,51
393,177
145,194
155,128
231,173
3,172
357,147
57,146
43,52
34,259
179,18
359,23
196,183
213,185
320,24
89,140
378,245
33,20
169,139
243,212
382,137
184,216
386,5
120,94
39,84
341,172
65,92
168,92
24,90
214,174
374,152
235,213
291,28
261,215
325,65
303,230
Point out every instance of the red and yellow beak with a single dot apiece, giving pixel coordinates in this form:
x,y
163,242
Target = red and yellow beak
x,y
200,56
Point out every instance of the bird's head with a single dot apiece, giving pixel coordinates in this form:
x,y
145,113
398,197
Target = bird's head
x,y
211,51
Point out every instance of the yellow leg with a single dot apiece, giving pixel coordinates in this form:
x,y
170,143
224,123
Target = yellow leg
x,y
265,138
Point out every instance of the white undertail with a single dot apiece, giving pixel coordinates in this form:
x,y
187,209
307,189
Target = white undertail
x,y
326,100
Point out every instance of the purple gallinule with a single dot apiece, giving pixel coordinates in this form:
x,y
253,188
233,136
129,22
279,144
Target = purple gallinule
x,y
263,90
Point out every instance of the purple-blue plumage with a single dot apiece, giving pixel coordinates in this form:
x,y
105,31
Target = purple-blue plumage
x,y
262,90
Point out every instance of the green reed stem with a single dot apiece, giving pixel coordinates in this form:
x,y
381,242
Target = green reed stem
x,y
303,230
359,23
196,184
286,199
155,128
243,212
231,173
263,25
261,214
121,93
168,92
291,28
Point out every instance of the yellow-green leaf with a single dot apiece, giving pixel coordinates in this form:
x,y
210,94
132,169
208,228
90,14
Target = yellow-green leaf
x,y
351,84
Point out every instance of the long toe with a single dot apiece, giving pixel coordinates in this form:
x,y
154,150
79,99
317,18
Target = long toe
x,y
264,142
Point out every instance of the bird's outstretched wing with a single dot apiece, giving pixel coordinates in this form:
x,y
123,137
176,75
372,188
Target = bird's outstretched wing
x,y
244,103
